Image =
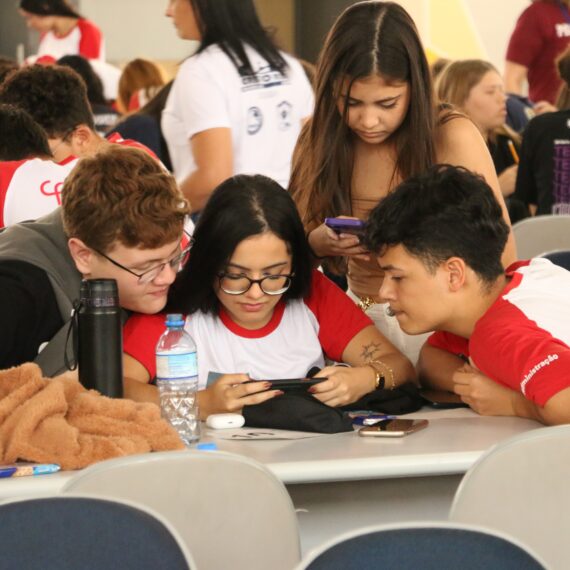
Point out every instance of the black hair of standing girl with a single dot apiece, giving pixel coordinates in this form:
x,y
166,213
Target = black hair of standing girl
x,y
49,8
241,207
232,24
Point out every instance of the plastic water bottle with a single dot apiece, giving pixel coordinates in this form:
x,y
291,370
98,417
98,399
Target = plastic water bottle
x,y
177,379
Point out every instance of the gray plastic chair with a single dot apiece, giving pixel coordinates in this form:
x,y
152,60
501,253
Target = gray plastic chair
x,y
422,546
538,234
231,511
91,533
520,487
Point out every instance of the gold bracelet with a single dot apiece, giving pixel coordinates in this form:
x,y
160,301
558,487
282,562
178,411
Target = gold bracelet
x,y
383,373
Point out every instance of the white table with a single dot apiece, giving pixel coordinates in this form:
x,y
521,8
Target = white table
x,y
344,481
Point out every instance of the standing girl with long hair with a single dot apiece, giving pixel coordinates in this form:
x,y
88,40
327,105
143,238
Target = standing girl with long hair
x,y
375,124
237,105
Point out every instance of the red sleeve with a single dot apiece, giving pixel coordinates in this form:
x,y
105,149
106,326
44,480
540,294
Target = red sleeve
x,y
513,350
91,39
140,337
526,40
340,320
7,170
450,343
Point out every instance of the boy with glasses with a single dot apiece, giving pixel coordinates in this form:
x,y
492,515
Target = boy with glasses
x,y
121,218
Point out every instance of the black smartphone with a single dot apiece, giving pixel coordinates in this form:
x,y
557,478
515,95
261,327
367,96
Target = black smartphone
x,y
442,400
292,384
392,428
346,225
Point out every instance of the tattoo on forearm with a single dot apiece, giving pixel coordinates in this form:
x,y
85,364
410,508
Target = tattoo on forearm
x,y
370,351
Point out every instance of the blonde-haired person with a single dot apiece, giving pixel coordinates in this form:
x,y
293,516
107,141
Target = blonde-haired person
x,y
140,81
476,88
376,123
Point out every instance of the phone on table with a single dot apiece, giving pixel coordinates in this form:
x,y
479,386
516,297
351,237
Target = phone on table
x,y
346,225
393,428
442,400
292,384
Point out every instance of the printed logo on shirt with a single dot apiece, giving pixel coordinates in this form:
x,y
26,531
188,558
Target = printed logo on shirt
x,y
284,110
254,120
546,362
45,189
264,78
563,30
561,177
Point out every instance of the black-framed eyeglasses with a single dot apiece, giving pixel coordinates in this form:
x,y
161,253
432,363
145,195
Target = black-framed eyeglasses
x,y
238,284
176,263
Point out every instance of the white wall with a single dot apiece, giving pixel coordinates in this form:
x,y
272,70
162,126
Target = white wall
x,y
452,28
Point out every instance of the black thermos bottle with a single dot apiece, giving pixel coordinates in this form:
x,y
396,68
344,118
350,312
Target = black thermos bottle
x,y
100,337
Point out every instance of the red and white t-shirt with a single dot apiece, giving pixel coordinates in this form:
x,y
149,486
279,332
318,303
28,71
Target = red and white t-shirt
x,y
116,138
293,341
523,340
541,34
84,39
29,189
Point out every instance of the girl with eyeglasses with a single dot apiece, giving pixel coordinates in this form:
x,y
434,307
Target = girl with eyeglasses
x,y
257,310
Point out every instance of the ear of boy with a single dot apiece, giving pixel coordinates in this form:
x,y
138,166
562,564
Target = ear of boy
x,y
456,273
82,255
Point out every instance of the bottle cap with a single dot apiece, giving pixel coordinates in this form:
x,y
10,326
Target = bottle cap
x,y
174,320
99,293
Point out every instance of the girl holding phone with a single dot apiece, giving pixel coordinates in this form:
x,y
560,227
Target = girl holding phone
x,y
257,310
375,124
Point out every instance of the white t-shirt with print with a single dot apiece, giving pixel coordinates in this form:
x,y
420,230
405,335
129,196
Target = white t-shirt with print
x,y
263,111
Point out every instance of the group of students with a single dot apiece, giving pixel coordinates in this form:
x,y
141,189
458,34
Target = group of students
x,y
376,146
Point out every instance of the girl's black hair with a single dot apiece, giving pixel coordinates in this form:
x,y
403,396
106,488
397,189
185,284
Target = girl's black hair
x,y
95,91
239,208
49,8
231,24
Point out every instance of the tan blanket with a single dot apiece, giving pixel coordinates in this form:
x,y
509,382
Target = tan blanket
x,y
59,421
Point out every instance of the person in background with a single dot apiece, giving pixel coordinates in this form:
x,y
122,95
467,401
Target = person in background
x,y
30,181
543,182
375,124
475,87
237,104
442,258
256,307
63,30
140,81
64,112
121,218
105,117
144,126
541,33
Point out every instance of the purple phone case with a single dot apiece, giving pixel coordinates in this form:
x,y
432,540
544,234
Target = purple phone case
x,y
342,225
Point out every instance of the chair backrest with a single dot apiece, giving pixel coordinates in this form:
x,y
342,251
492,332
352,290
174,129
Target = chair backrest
x,y
422,545
560,257
70,532
520,487
541,233
230,510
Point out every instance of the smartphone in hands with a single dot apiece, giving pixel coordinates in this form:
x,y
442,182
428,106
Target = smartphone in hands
x,y
292,384
442,400
346,226
393,428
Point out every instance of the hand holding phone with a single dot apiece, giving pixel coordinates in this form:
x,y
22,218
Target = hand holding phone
x,y
393,428
346,225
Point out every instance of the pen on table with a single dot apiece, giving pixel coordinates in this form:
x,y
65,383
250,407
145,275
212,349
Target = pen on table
x,y
513,150
28,470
